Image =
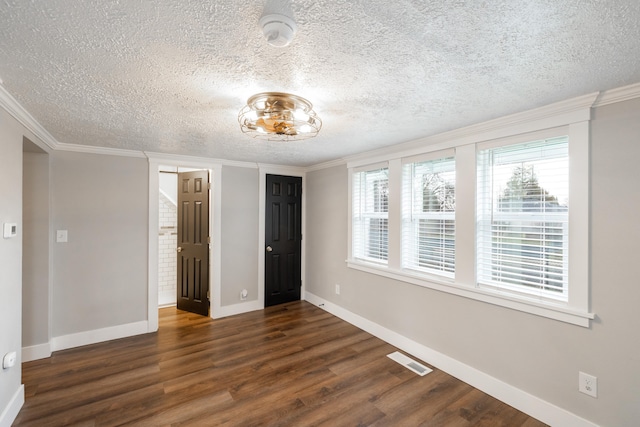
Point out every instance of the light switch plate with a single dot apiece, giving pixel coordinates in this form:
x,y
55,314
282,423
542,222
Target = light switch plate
x,y
10,230
61,236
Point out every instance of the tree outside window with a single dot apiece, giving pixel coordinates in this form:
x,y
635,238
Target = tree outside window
x,y
529,251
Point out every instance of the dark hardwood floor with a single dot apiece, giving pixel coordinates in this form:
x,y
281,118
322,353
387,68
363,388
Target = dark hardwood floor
x,y
289,365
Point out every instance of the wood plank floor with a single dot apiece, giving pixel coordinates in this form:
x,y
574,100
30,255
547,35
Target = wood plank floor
x,y
289,365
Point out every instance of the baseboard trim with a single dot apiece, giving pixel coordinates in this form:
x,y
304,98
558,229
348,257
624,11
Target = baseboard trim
x,y
534,406
99,335
232,310
166,301
10,413
36,352
169,304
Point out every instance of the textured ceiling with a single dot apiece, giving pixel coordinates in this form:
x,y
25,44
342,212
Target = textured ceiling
x,y
170,76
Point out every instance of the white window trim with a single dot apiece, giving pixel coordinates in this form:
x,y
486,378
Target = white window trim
x,y
370,168
572,118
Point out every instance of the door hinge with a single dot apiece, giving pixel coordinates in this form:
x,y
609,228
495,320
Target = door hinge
x,y
209,239
208,295
208,186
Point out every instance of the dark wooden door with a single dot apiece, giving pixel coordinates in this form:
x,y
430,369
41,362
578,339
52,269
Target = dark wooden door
x,y
193,242
283,239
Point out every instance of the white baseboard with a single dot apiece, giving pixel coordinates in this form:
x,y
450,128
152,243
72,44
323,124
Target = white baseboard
x,y
9,414
534,406
232,310
99,335
166,299
172,304
36,352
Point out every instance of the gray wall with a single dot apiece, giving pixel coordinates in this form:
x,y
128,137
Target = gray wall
x,y
11,134
239,234
35,247
100,275
535,354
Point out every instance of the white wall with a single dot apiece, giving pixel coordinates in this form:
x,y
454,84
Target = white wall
x,y
169,185
167,244
537,355
100,275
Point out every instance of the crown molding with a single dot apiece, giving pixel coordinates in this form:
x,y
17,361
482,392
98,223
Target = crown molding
x,y
620,94
561,113
76,148
326,165
239,164
277,169
178,159
17,111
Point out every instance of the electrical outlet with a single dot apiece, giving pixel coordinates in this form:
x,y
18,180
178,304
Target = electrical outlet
x,y
9,360
337,289
588,384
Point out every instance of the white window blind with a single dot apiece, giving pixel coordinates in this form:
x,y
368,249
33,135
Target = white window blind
x,y
428,216
522,213
370,211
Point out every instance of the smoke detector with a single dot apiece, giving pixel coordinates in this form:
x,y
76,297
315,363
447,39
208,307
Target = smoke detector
x,y
278,29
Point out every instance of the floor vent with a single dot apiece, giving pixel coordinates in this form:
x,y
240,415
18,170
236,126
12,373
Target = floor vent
x,y
409,363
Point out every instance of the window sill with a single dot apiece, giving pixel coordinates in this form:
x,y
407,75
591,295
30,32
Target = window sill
x,y
558,312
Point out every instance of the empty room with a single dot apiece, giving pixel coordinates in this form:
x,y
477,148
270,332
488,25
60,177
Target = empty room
x,y
289,212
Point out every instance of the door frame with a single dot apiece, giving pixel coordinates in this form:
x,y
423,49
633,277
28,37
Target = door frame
x,y
215,227
197,245
263,171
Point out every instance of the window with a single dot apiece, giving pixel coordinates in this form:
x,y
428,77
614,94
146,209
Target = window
x,y
371,215
523,216
496,212
428,216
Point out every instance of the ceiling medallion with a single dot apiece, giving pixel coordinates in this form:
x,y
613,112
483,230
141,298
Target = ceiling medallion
x,y
277,116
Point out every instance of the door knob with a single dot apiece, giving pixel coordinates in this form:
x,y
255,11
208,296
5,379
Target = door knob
x,y
269,248
179,249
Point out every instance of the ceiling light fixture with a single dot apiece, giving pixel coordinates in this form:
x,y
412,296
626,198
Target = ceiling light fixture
x,y
277,116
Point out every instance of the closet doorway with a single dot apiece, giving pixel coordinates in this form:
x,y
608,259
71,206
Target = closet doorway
x,y
183,238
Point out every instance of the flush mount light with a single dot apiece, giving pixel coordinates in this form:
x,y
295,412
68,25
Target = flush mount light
x,y
277,116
